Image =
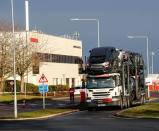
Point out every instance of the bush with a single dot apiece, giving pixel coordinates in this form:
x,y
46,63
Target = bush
x,y
58,88
29,87
34,88
8,87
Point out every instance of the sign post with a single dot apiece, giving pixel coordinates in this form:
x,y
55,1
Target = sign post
x,y
43,80
148,82
43,97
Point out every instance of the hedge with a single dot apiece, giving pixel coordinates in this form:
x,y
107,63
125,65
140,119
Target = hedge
x,y
34,88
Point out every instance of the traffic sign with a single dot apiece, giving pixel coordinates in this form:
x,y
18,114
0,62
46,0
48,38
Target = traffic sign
x,y
43,79
45,88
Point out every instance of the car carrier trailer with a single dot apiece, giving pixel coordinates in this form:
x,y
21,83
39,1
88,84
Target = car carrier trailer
x,y
122,88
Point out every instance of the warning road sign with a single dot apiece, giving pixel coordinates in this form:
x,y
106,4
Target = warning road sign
x,y
43,79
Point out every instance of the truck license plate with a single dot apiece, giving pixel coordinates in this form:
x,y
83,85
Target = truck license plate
x,y
101,105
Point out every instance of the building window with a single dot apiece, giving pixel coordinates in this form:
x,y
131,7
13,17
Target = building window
x,y
47,57
35,69
73,82
80,69
56,81
59,58
67,82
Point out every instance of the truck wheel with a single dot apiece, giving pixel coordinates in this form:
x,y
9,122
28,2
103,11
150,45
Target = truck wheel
x,y
121,103
90,108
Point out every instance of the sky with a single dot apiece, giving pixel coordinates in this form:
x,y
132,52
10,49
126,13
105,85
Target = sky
x,y
118,19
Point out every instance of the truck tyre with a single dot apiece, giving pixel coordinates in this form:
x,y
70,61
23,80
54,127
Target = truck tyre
x,y
126,102
90,108
143,100
121,103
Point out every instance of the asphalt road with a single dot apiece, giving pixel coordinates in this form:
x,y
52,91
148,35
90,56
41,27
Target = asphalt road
x,y
102,120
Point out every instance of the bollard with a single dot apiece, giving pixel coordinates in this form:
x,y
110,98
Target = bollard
x,y
24,103
83,98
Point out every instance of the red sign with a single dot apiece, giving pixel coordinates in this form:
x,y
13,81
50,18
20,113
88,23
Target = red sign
x,y
34,40
104,75
12,83
43,79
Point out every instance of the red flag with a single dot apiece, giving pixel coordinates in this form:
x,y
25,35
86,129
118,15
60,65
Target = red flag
x,y
34,40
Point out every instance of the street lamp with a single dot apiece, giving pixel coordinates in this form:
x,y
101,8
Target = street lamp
x,y
145,37
152,53
97,20
14,63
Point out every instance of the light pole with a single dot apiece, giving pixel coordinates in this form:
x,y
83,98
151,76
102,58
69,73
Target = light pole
x,y
97,20
152,53
14,63
26,15
145,37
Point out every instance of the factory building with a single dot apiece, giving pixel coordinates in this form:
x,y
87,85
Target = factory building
x,y
60,60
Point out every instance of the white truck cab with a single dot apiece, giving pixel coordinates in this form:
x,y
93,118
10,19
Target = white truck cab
x,y
103,90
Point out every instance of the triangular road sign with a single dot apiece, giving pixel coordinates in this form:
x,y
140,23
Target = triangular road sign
x,y
43,79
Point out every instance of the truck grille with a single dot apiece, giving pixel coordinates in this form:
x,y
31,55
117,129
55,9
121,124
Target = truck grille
x,y
100,95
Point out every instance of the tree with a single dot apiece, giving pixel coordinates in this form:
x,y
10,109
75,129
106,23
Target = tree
x,y
6,61
26,55
26,52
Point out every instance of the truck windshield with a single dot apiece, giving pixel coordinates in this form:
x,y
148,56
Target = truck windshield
x,y
100,82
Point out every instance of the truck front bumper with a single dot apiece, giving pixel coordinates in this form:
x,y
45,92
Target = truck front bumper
x,y
99,103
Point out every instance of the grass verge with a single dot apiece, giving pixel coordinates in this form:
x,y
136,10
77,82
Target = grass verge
x,y
10,97
38,113
151,110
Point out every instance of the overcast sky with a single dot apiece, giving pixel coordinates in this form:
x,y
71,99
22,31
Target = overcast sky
x,y
118,19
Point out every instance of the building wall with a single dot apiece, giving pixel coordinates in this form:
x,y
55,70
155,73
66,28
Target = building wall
x,y
57,73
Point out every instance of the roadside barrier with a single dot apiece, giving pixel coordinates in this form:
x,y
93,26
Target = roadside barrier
x,y
51,92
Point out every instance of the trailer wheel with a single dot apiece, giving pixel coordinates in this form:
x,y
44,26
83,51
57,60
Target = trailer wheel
x,y
143,100
125,102
128,102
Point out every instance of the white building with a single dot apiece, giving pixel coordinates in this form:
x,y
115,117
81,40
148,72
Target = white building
x,y
61,60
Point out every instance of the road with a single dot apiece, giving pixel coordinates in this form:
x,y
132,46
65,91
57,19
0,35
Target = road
x,y
101,120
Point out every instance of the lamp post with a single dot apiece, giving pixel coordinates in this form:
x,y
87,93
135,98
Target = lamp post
x,y
147,50
97,20
14,63
152,53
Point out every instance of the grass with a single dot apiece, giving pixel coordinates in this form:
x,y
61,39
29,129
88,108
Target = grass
x,y
151,110
38,113
10,97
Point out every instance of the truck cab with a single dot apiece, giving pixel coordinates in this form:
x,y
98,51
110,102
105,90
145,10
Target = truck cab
x,y
103,90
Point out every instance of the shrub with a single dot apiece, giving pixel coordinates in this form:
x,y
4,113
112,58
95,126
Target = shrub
x,y
34,88
58,88
29,87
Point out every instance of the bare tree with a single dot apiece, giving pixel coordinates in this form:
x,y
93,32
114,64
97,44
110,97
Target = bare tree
x,y
26,55
6,61
26,52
